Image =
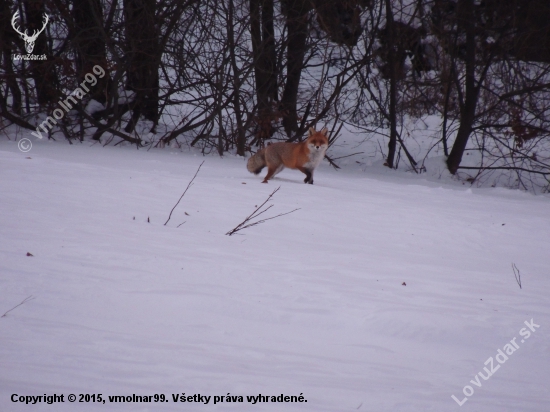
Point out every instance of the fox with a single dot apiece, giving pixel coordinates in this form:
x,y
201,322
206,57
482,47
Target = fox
x,y
304,156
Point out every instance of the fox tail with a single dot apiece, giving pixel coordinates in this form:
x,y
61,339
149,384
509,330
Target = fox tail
x,y
257,162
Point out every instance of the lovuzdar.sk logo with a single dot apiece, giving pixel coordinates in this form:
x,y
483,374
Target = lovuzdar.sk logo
x,y
28,39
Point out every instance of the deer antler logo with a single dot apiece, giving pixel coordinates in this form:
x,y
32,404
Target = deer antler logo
x,y
29,40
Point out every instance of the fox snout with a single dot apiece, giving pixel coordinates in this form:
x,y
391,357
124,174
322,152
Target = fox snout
x,y
316,146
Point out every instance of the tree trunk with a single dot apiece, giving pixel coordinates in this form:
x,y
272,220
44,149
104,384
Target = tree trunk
x,y
89,43
468,106
296,12
7,37
143,57
42,71
393,86
241,136
265,64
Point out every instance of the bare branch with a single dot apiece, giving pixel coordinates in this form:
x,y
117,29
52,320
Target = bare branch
x,y
184,192
517,275
257,212
24,301
505,168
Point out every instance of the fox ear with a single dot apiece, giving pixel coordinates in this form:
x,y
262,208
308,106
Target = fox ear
x,y
324,131
312,131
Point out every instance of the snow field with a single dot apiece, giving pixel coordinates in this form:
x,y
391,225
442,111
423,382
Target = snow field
x,y
310,303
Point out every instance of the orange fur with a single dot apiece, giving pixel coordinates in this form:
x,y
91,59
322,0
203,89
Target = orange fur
x,y
304,156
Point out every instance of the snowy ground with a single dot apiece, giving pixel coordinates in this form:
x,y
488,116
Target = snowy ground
x,y
311,303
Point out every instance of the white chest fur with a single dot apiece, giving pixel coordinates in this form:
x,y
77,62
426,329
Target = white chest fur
x,y
315,156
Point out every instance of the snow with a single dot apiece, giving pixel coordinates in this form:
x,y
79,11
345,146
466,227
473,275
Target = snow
x,y
310,303
94,106
126,96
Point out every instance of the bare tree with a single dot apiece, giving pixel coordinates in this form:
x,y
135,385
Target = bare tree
x,y
43,72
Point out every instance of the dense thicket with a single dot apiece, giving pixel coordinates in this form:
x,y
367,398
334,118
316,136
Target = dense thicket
x,y
230,74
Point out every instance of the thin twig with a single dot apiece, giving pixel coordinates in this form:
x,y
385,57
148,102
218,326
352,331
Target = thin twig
x,y
331,161
24,301
257,212
504,168
517,275
342,157
185,191
269,218
253,214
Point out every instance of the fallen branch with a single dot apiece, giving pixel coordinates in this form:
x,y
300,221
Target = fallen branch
x,y
257,212
505,168
331,161
342,157
19,121
102,128
185,191
24,301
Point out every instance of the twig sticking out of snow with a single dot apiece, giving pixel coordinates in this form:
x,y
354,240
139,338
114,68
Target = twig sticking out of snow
x,y
331,161
516,274
184,192
257,212
24,301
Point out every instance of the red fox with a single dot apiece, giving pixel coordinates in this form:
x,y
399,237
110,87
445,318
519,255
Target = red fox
x,y
304,156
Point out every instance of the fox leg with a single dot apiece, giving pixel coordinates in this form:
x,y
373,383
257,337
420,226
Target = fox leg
x,y
309,175
272,171
269,175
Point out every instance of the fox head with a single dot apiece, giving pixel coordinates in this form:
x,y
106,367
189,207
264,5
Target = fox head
x,y
317,141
